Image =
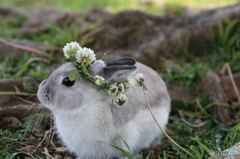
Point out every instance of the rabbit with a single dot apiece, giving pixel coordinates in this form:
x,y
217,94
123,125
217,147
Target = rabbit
x,y
85,114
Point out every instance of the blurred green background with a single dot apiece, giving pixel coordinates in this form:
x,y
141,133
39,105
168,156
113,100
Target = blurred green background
x,y
160,7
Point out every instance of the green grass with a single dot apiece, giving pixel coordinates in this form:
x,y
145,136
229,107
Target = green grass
x,y
189,75
58,35
27,66
11,139
225,46
199,141
191,64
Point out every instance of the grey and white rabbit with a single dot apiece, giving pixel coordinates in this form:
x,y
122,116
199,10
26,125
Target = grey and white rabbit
x,y
85,113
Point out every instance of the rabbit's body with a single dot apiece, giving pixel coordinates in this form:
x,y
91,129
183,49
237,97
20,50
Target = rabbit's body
x,y
85,114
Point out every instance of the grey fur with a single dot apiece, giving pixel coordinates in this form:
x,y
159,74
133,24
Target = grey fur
x,y
121,61
117,73
85,114
114,71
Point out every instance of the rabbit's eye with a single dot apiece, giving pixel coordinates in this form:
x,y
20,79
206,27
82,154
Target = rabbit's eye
x,y
67,82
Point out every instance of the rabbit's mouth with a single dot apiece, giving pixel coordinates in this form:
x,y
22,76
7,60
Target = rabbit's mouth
x,y
45,94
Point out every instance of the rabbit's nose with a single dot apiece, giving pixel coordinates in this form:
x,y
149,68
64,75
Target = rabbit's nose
x,y
43,83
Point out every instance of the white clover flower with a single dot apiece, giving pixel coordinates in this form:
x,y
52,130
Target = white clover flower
x,y
140,80
113,89
120,100
99,80
99,61
85,56
120,87
129,83
139,77
70,49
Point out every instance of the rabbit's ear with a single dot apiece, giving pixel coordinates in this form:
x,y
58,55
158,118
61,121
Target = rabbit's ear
x,y
122,61
117,73
119,69
115,70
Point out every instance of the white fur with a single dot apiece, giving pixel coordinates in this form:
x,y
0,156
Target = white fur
x,y
85,115
144,131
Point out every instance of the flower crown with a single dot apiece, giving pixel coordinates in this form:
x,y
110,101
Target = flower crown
x,y
84,57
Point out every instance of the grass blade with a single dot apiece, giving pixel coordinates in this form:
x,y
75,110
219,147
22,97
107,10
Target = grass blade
x,y
127,154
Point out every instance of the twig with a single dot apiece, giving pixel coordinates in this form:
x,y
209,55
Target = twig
x,y
200,106
52,143
16,88
149,107
17,93
226,66
11,139
25,48
45,136
37,59
26,101
38,157
27,147
195,126
32,60
170,62
25,153
47,154
1,147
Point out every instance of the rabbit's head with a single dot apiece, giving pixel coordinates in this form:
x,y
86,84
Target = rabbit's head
x,y
58,93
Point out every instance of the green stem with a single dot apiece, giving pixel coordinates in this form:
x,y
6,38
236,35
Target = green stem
x,y
149,107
